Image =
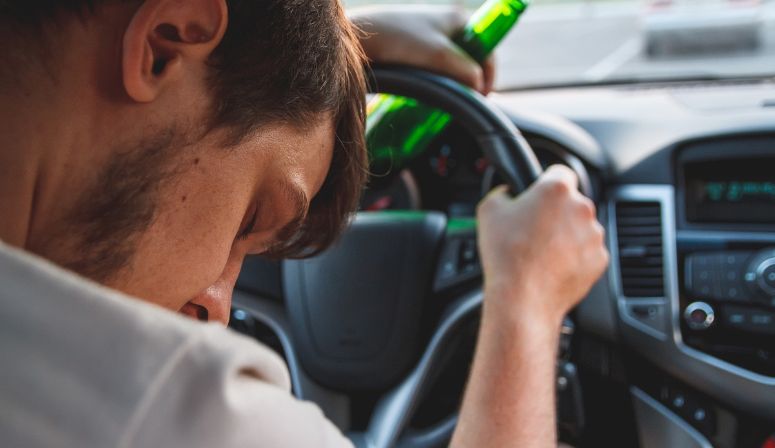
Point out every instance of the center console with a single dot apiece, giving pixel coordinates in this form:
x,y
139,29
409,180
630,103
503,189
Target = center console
x,y
726,258
693,271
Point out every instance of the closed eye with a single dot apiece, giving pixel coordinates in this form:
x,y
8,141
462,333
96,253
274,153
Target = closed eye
x,y
248,228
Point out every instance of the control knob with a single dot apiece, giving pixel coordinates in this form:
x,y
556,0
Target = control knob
x,y
760,275
699,316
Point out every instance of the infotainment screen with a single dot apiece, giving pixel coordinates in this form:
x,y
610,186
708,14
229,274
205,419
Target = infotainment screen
x,y
736,191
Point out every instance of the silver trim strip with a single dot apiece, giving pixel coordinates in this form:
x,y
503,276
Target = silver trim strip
x,y
748,390
756,237
659,427
623,302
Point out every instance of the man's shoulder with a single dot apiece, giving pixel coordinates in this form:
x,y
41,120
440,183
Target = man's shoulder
x,y
80,360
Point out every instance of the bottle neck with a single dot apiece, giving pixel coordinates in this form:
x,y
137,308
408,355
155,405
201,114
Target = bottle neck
x,y
488,26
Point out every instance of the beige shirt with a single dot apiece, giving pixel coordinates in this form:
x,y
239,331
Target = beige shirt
x,y
84,366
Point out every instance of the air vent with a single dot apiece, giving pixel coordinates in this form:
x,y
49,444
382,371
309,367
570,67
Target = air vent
x,y
641,264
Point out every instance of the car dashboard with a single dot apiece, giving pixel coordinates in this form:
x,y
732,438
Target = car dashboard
x,y
683,174
688,200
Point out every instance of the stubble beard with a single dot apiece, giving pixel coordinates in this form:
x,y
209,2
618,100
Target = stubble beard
x,y
101,232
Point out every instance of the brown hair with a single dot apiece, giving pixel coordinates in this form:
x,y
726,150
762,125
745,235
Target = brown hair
x,y
298,59
280,61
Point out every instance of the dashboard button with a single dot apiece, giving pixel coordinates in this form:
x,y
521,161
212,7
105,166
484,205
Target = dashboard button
x,y
749,319
702,278
679,401
760,275
699,316
768,276
730,278
719,275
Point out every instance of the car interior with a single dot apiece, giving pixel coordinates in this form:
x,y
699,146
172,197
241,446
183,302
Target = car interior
x,y
673,347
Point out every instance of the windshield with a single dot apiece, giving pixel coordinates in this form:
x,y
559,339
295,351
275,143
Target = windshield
x,y
593,41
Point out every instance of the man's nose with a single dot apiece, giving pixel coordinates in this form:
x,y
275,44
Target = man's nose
x,y
216,299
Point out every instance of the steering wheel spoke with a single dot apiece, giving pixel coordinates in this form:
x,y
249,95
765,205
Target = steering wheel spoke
x,y
458,262
393,413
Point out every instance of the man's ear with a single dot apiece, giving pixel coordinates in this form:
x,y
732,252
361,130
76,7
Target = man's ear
x,y
165,38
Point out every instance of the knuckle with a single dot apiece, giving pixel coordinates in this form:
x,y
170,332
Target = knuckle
x,y
589,205
586,208
475,75
439,56
460,18
605,258
562,171
555,187
598,235
600,231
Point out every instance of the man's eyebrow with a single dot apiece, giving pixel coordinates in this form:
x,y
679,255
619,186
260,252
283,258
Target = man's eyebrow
x,y
300,203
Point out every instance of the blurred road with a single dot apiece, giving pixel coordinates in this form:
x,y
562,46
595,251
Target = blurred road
x,y
599,41
560,41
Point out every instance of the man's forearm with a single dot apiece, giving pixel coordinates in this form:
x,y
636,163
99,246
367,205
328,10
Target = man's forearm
x,y
510,398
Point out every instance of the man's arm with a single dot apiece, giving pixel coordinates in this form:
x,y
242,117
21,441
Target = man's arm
x,y
541,254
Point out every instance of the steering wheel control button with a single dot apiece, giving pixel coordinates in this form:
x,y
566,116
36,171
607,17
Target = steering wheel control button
x,y
458,262
242,322
468,253
699,316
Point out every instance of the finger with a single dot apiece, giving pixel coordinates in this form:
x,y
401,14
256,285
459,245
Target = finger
x,y
488,68
499,193
561,173
455,63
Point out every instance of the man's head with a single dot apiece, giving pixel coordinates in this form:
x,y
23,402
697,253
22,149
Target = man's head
x,y
174,137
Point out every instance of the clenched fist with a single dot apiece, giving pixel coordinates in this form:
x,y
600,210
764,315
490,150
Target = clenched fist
x,y
541,252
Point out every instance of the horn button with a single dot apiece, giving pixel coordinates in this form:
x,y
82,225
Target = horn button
x,y
355,309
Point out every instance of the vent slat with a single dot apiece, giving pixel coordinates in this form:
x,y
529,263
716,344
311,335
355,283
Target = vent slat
x,y
641,263
640,221
640,231
642,271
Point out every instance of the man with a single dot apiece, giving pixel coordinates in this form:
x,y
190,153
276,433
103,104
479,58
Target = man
x,y
147,146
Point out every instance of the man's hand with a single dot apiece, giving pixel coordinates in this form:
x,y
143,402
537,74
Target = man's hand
x,y
542,252
420,36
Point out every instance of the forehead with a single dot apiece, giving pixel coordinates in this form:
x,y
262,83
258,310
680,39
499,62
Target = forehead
x,y
297,155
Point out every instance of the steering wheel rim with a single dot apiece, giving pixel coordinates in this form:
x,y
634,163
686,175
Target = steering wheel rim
x,y
500,140
514,161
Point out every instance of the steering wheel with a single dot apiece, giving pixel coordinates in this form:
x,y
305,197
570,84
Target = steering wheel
x,y
355,310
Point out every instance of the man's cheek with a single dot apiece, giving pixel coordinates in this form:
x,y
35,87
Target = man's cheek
x,y
171,271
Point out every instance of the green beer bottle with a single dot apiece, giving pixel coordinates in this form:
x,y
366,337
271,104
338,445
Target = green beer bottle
x,y
400,128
